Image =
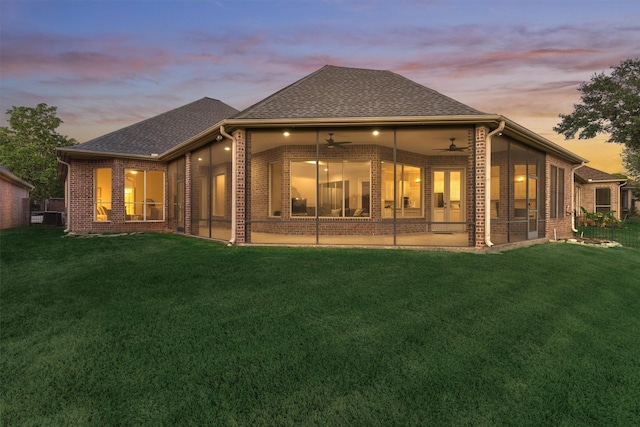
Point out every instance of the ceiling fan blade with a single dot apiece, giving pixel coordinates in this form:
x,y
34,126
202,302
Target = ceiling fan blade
x,y
452,147
331,143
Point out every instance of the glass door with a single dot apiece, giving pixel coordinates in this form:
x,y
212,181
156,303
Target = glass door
x,y
448,201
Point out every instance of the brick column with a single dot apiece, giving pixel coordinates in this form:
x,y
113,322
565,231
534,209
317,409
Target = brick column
x,y
481,169
187,194
241,190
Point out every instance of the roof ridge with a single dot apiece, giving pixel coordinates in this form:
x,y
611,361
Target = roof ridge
x,y
155,117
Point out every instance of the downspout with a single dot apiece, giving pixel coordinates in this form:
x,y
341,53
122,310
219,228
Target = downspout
x,y
487,184
234,185
67,185
573,197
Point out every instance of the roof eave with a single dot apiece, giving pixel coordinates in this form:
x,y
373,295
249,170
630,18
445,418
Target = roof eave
x,y
358,121
90,154
513,128
191,143
16,180
605,181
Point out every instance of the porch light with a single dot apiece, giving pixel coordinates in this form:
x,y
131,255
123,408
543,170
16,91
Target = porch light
x,y
286,133
376,132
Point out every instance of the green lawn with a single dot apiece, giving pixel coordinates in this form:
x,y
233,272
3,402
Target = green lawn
x,y
169,330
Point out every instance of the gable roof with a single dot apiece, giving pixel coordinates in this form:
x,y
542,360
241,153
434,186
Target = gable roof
x,y
588,174
160,133
354,92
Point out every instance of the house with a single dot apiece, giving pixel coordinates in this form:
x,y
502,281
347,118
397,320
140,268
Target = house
x,y
14,200
598,191
630,199
342,156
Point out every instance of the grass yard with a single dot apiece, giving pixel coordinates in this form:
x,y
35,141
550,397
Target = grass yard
x,y
169,330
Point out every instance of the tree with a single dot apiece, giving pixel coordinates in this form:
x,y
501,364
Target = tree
x,y
28,148
631,161
610,105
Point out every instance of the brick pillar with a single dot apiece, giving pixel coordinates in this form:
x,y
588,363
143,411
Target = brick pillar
x,y
481,169
241,190
187,193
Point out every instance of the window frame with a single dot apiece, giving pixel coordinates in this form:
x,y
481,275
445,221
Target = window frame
x,y
597,206
398,199
351,190
556,196
146,204
102,213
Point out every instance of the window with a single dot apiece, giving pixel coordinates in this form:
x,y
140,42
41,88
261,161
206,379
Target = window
x,y
342,188
603,200
220,195
102,194
275,188
303,188
144,195
495,192
408,190
557,192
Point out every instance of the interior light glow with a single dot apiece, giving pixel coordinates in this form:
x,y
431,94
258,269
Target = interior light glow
x,y
286,133
227,148
376,133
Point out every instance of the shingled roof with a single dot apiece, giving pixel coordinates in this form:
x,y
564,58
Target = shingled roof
x,y
333,92
588,174
162,132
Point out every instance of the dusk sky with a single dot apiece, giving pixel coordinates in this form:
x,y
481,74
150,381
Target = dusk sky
x,y
108,64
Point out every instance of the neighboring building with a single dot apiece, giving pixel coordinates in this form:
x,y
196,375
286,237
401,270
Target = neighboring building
x,y
630,199
14,200
342,156
598,191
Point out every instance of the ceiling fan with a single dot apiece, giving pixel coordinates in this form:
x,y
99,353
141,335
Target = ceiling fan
x,y
331,143
451,147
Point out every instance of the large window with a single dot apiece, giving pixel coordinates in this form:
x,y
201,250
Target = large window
x,y
404,193
557,192
275,189
603,200
144,195
102,194
342,188
303,188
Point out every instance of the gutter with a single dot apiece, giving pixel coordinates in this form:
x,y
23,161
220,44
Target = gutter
x,y
67,190
573,196
487,184
234,185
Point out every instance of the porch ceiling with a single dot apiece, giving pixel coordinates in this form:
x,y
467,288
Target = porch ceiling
x,y
417,140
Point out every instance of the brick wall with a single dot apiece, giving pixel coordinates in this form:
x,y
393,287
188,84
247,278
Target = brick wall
x,y
561,225
14,205
82,198
588,196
